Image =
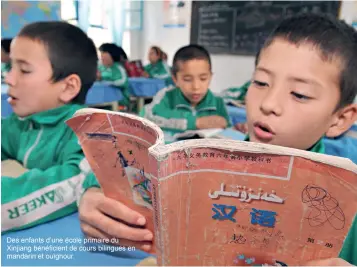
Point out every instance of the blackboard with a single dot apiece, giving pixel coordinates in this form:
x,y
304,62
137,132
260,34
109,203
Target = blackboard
x,y
241,27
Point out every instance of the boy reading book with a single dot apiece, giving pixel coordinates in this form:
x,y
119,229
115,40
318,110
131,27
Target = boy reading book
x,y
53,66
302,89
191,105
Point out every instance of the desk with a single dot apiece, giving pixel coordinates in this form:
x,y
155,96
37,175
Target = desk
x,y
102,94
237,115
142,88
67,227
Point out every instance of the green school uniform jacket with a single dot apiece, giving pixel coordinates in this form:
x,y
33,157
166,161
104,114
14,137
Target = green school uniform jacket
x,y
171,111
236,93
49,149
116,75
159,70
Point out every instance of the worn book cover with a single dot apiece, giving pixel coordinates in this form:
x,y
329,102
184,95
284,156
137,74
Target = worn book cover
x,y
222,202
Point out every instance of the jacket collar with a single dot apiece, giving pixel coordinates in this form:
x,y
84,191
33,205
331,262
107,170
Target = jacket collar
x,y
319,147
209,102
52,116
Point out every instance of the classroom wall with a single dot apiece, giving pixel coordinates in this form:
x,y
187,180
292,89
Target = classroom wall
x,y
170,39
229,70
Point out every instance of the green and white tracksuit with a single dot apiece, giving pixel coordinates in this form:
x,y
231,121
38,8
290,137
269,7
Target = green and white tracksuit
x,y
159,70
49,149
116,75
236,93
171,111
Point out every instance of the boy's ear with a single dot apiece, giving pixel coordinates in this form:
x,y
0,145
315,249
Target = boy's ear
x,y
71,87
343,121
174,78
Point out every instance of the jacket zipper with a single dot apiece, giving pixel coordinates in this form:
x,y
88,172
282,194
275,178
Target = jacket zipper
x,y
28,152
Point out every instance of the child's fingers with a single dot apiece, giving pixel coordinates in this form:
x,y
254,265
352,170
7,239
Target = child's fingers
x,y
119,211
92,232
117,229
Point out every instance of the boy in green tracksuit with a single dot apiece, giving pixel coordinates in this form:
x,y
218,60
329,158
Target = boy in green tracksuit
x,y
111,70
47,84
173,112
191,105
298,95
158,67
236,93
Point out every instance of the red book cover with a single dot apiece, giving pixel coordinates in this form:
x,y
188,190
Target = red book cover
x,y
222,202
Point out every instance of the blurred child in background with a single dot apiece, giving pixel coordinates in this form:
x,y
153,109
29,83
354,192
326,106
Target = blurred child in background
x,y
112,71
158,67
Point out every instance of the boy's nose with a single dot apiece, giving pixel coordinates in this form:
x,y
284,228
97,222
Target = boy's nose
x,y
196,85
272,104
9,78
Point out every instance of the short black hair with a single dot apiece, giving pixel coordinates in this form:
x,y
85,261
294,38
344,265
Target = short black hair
x,y
335,40
70,51
5,44
116,52
190,52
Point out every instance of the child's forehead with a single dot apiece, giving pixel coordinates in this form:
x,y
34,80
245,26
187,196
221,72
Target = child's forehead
x,y
30,50
282,57
305,50
194,66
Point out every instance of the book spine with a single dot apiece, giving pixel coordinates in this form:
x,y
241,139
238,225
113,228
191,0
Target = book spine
x,y
157,211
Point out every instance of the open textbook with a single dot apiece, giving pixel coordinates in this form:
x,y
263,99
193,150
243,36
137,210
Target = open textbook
x,y
236,103
221,202
204,133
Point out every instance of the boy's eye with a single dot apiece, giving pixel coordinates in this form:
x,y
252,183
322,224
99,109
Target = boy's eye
x,y
187,80
25,71
260,84
300,96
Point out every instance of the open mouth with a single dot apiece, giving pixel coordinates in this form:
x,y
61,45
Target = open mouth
x,y
264,128
263,131
11,98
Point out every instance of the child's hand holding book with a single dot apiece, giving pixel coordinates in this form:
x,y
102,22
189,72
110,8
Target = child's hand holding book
x,y
107,219
209,122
